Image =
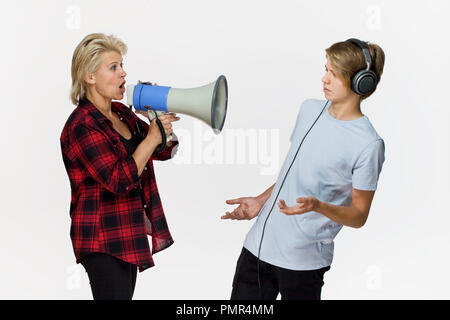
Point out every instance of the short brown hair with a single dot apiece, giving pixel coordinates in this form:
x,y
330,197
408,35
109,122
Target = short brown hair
x,y
86,59
348,59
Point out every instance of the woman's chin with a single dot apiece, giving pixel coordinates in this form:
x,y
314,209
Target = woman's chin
x,y
118,96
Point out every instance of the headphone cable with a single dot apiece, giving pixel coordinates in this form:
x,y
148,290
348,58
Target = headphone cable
x,y
279,190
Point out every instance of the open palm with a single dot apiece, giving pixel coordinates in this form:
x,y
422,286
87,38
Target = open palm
x,y
248,208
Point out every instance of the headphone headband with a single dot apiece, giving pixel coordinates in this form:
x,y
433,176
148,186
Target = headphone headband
x,y
364,49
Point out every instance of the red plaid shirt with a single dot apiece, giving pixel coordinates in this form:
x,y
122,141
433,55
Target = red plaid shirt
x,y
108,212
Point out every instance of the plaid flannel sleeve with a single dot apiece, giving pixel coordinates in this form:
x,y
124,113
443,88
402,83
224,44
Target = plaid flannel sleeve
x,y
101,160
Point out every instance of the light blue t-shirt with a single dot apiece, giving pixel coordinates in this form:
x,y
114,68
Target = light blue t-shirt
x,y
336,156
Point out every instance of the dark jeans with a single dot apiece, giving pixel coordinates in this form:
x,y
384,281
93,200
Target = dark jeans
x,y
291,284
110,278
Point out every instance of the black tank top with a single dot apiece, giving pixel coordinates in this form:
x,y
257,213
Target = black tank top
x,y
130,144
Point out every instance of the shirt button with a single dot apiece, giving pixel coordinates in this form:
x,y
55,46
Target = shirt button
x,y
121,118
145,168
145,206
126,188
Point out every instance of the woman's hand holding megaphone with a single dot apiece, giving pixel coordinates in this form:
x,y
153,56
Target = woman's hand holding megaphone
x,y
154,138
166,120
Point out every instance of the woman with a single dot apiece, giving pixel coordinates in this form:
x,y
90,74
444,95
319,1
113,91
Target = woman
x,y
328,180
108,153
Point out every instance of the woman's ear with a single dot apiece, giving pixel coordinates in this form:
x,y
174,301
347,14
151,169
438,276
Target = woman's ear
x,y
90,78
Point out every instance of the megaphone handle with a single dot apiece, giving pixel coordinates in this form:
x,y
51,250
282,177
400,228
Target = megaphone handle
x,y
154,114
162,146
164,140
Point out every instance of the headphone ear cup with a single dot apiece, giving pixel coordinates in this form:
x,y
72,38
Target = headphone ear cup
x,y
364,82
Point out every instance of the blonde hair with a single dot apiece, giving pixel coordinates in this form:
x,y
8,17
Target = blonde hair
x,y
348,59
86,59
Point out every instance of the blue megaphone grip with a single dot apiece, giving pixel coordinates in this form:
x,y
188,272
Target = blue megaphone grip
x,y
148,95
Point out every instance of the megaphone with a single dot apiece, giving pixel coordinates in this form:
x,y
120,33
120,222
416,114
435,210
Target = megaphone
x,y
207,103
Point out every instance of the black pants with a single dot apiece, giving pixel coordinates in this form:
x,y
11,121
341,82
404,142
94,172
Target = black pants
x,y
291,284
110,278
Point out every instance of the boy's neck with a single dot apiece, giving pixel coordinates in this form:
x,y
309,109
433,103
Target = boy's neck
x,y
349,109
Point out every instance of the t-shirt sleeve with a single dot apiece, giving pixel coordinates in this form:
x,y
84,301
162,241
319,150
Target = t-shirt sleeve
x,y
368,166
293,131
296,123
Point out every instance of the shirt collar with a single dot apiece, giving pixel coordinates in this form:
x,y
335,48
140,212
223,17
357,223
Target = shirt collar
x,y
89,106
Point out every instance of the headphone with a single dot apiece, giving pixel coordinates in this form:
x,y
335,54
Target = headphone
x,y
365,80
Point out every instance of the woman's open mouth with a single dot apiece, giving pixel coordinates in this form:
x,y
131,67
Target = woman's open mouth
x,y
122,87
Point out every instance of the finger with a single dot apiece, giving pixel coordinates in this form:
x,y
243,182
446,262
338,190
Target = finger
x,y
238,212
231,215
242,214
169,120
286,210
168,116
226,216
233,201
297,209
167,128
290,211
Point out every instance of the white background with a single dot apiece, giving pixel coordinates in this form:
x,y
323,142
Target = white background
x,y
272,53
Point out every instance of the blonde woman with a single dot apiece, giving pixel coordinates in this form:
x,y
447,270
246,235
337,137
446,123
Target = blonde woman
x,y
108,153
327,181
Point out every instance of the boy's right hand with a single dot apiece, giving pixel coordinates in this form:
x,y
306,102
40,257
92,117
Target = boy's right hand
x,y
248,208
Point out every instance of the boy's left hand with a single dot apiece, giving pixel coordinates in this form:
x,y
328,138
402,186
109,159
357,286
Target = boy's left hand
x,y
303,205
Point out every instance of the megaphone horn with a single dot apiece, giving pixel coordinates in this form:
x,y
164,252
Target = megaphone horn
x,y
207,103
